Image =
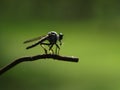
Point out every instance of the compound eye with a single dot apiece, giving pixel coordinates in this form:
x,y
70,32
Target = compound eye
x,y
60,36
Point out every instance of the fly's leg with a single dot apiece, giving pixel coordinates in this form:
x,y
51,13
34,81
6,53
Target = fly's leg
x,y
44,48
56,50
57,47
50,49
42,45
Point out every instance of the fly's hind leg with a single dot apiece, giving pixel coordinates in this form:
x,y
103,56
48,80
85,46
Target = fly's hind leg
x,y
44,48
50,49
42,45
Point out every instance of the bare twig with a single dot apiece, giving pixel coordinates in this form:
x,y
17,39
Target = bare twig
x,y
33,58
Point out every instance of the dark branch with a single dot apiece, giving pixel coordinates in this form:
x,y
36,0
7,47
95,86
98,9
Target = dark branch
x,y
33,58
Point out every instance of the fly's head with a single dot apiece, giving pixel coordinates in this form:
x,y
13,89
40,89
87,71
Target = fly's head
x,y
60,38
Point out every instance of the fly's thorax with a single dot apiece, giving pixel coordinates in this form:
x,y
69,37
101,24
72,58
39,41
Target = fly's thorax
x,y
53,37
52,32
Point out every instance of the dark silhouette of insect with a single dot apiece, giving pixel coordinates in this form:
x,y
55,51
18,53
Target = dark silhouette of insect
x,y
52,38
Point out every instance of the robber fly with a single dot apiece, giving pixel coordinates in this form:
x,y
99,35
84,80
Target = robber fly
x,y
52,38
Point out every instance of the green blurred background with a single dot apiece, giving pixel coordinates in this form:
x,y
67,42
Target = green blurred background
x,y
91,31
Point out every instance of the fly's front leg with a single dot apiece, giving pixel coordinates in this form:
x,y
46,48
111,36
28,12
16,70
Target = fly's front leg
x,y
56,50
57,47
52,51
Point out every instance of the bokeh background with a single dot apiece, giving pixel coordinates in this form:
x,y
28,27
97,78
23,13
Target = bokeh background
x,y
91,31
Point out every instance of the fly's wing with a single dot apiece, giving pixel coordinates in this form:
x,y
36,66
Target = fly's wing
x,y
39,42
34,39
